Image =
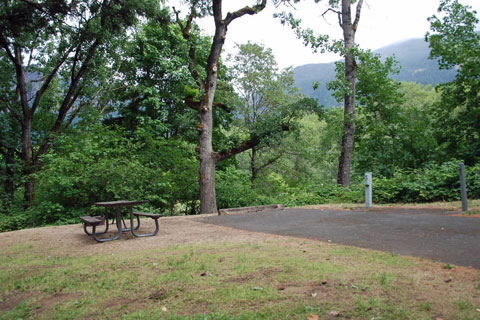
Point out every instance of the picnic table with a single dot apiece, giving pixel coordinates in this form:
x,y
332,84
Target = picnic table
x,y
117,206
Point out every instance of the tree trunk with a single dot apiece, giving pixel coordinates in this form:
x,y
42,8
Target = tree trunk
x,y
349,29
208,203
253,164
28,167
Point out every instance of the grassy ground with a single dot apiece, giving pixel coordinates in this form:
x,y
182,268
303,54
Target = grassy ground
x,y
272,278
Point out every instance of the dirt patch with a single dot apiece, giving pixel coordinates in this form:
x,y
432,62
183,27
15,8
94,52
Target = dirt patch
x,y
263,274
46,302
11,301
70,240
40,301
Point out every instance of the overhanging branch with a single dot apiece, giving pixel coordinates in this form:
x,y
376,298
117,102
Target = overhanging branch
x,y
245,10
339,14
244,146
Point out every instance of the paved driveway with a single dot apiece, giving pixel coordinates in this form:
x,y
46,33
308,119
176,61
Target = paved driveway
x,y
416,232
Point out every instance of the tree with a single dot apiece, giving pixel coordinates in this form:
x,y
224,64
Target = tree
x,y
266,94
349,26
207,87
154,79
454,41
378,99
349,29
59,52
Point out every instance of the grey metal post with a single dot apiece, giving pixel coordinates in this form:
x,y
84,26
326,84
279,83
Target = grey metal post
x,y
463,187
368,189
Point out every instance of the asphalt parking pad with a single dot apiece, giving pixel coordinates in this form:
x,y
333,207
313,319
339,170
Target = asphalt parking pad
x,y
424,233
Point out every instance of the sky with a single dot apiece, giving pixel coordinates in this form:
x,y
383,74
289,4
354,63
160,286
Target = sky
x,y
382,22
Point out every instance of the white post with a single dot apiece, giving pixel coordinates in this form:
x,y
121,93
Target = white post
x,y
368,189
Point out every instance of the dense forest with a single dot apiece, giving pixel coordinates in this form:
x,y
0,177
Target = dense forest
x,y
118,99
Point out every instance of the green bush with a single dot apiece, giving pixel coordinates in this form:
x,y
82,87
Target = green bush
x,y
436,182
234,189
105,164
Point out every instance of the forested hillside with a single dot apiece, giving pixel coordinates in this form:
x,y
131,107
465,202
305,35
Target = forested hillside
x,y
412,56
104,100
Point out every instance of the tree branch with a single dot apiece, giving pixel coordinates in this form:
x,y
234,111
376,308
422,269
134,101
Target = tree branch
x,y
195,105
187,36
357,15
21,84
35,5
244,146
339,14
4,44
12,111
245,10
269,162
49,79
222,106
67,103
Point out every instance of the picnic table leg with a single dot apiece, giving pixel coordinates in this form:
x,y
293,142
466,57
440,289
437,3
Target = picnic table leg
x,y
145,234
90,233
132,226
119,227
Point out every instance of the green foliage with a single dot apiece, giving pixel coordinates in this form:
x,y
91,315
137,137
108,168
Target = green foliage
x,y
100,164
433,183
56,59
408,135
397,134
268,103
454,40
234,189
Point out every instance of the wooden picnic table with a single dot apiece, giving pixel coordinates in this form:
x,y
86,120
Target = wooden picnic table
x,y
117,206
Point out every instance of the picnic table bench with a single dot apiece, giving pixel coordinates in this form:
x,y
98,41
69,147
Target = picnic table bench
x,y
117,218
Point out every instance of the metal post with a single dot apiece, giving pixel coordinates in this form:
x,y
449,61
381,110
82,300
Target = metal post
x,y
463,187
368,189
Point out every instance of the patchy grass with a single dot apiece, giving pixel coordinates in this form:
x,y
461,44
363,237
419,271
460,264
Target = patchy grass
x,y
292,279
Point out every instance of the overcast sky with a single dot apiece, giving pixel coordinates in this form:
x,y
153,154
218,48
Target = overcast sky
x,y
382,22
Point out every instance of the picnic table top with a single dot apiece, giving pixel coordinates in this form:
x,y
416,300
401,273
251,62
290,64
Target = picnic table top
x,y
120,203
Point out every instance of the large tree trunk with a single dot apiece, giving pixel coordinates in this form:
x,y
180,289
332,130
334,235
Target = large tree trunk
x,y
349,29
208,203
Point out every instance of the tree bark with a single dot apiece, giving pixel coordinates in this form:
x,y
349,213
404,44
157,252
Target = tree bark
x,y
28,167
349,30
253,164
208,203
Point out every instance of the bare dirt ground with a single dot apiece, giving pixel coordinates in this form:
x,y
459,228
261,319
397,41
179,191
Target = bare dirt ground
x,y
71,240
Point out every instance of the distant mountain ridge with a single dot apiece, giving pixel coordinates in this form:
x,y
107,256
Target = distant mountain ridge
x,y
412,56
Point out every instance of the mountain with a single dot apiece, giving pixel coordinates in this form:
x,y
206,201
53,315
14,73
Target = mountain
x,y
412,56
